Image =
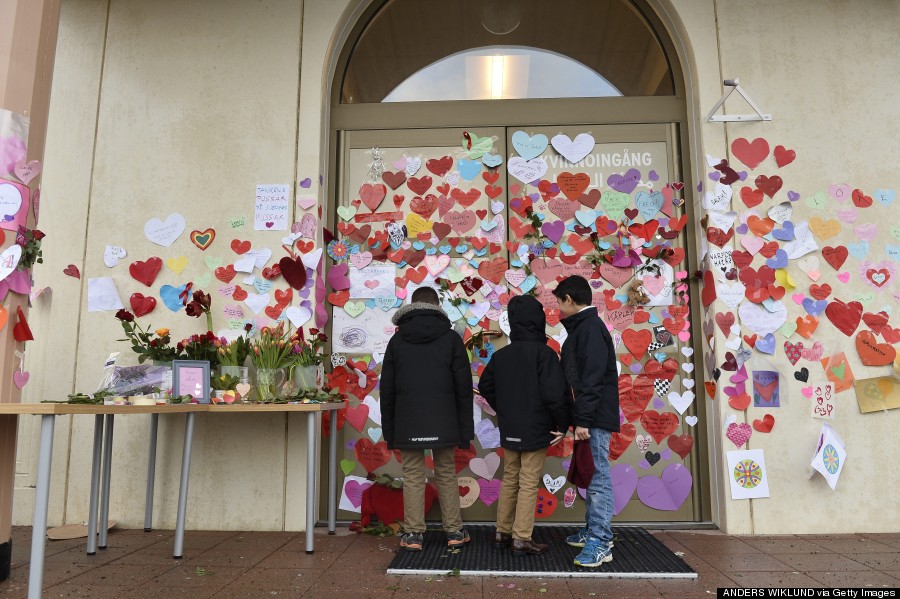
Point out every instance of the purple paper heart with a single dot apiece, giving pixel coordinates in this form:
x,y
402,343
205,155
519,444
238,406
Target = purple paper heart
x,y
779,260
635,367
321,179
354,491
350,444
624,480
306,183
489,490
766,344
625,183
554,231
658,404
337,276
742,229
785,233
793,196
742,175
643,465
700,186
814,308
488,434
668,492
565,465
653,176
666,454
715,176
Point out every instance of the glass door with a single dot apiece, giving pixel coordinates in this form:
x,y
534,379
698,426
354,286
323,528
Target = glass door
x,y
475,203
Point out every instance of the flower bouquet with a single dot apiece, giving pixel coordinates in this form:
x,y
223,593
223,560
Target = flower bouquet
x,y
146,344
271,354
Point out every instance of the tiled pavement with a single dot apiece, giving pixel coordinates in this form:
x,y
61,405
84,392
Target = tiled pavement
x,y
229,564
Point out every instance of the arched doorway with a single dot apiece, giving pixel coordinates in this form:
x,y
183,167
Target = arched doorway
x,y
423,91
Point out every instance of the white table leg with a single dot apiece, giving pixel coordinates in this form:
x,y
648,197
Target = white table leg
x,y
41,501
107,472
183,490
310,479
95,486
332,474
151,472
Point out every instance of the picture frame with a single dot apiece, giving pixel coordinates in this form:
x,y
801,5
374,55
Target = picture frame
x,y
191,377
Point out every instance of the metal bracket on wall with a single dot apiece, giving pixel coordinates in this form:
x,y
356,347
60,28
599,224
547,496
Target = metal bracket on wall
x,y
735,85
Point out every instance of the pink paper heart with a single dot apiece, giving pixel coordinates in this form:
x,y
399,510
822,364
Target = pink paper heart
x,y
739,434
400,164
843,277
27,171
752,243
847,215
798,298
306,202
20,378
684,336
401,293
807,391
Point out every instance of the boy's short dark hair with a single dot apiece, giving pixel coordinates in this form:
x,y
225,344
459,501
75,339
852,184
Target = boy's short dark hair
x,y
577,288
426,295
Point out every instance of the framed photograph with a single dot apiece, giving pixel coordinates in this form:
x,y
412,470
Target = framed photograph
x,y
191,377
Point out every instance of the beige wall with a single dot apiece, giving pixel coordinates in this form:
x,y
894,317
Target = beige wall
x,y
173,107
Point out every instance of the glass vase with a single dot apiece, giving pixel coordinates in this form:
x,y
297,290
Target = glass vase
x,y
306,378
269,382
242,373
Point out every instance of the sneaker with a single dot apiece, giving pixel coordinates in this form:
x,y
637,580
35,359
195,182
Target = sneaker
x,y
593,554
579,538
412,541
458,538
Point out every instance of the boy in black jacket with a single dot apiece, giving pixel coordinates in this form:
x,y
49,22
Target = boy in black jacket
x,y
524,383
589,362
426,403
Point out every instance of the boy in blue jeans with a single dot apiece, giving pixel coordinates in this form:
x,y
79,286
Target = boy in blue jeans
x,y
589,363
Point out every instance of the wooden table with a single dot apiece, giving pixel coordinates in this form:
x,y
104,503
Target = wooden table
x,y
102,461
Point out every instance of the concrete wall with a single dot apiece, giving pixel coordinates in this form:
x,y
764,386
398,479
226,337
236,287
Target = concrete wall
x,y
169,106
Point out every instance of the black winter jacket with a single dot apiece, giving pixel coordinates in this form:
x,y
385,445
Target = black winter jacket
x,y
426,382
524,381
589,361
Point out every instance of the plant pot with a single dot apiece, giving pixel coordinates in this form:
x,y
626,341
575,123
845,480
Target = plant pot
x,y
305,378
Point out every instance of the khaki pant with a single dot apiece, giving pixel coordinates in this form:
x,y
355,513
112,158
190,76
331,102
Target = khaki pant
x,y
414,488
518,493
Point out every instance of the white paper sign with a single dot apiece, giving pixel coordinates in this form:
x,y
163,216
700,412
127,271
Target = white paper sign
x,y
372,281
9,259
747,474
103,295
272,208
823,404
830,456
658,287
367,333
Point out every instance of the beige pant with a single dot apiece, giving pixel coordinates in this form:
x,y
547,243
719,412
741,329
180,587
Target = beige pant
x,y
414,488
518,493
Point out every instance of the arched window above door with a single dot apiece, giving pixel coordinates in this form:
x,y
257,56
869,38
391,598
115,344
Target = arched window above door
x,y
420,50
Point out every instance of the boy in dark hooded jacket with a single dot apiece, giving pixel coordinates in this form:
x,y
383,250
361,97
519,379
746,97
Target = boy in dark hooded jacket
x,y
525,384
426,403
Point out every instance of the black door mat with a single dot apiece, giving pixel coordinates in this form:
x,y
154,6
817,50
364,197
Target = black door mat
x,y
637,554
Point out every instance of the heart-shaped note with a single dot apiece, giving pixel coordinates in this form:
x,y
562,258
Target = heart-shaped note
x,y
164,233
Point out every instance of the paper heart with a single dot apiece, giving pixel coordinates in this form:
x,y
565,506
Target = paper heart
x,y
112,254
20,378
171,297
739,434
164,233
667,492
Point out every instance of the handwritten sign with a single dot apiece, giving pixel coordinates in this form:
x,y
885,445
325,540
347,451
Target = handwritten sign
x,y
823,401
272,207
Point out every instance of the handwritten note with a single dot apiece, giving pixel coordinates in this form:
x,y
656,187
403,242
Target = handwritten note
x,y
272,207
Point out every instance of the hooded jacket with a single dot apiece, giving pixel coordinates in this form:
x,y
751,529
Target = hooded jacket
x,y
589,361
524,381
426,382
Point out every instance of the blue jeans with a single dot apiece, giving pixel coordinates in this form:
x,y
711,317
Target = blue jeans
x,y
599,497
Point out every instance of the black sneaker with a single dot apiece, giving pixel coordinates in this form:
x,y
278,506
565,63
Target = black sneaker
x,y
458,538
412,541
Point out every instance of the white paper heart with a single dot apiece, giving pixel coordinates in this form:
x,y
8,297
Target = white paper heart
x,y
245,263
485,467
554,484
573,150
311,259
760,320
257,301
164,233
681,401
412,166
690,420
722,220
112,255
526,171
731,294
643,442
374,409
298,315
9,259
260,256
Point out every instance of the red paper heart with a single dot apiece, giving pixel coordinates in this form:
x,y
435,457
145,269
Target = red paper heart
x,y
239,294
876,321
861,200
835,256
783,156
634,395
769,185
750,153
145,272
681,444
225,273
142,305
294,271
72,271
844,316
708,293
637,341
22,332
620,441
768,421
725,320
439,166
371,456
873,353
394,180
659,426
820,292
240,247
373,194
751,197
